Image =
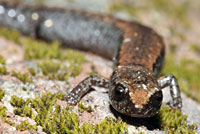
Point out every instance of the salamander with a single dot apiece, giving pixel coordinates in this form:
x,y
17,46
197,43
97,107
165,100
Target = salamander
x,y
137,51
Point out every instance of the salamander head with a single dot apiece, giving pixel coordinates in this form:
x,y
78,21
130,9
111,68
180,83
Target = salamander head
x,y
134,92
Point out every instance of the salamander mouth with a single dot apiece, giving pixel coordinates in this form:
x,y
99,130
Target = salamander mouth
x,y
143,114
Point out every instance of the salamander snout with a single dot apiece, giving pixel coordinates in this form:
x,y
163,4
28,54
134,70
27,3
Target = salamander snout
x,y
135,93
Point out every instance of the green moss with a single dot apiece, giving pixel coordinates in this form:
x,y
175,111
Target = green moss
x,y
56,70
196,48
17,101
25,78
3,70
55,119
187,73
174,122
3,111
176,10
24,111
129,8
35,49
32,71
60,96
107,126
25,125
49,66
2,93
82,108
2,60
93,71
10,34
45,52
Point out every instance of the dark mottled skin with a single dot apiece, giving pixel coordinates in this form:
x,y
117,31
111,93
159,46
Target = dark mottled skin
x,y
137,51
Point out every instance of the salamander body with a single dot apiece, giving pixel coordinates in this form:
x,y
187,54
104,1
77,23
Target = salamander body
x,y
137,52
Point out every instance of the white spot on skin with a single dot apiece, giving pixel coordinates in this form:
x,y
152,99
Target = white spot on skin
x,y
35,16
126,90
136,106
11,13
97,32
137,48
149,94
130,93
21,18
144,86
156,89
119,66
2,9
48,23
127,40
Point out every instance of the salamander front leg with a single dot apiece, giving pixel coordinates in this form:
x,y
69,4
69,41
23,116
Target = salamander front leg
x,y
172,82
84,87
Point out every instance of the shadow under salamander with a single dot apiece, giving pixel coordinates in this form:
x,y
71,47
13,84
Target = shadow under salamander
x,y
150,123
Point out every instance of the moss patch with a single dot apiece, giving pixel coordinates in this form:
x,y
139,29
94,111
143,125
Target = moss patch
x,y
177,11
2,60
50,57
187,73
3,111
2,93
174,122
25,78
10,35
25,125
129,8
54,119
196,48
3,70
82,108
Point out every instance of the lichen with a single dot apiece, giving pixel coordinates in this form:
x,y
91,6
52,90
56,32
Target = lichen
x,y
174,122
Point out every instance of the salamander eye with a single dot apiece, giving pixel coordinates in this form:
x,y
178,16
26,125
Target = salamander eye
x,y
120,92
